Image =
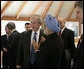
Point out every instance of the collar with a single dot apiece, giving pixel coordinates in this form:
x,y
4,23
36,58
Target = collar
x,y
38,32
13,30
7,35
51,36
62,29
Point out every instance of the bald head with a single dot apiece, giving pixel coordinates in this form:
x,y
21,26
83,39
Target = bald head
x,y
62,22
10,27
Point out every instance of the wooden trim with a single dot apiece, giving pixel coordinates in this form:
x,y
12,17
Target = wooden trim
x,y
5,7
1,57
15,19
73,20
79,29
1,27
70,13
47,8
37,7
28,18
59,8
21,8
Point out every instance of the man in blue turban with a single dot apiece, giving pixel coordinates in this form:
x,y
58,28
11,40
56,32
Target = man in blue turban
x,y
52,23
49,53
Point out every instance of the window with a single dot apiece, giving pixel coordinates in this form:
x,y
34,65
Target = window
x,y
74,26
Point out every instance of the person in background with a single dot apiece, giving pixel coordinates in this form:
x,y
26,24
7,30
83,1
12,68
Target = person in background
x,y
4,46
49,53
27,26
69,46
79,51
13,43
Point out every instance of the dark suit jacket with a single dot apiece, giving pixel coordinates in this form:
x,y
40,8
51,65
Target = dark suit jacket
x,y
68,38
78,62
23,56
13,46
4,44
50,52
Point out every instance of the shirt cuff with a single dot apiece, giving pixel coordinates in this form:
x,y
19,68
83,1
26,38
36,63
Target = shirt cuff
x,y
36,51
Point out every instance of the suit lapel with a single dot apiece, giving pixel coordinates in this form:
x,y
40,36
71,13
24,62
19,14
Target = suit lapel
x,y
28,40
5,37
64,31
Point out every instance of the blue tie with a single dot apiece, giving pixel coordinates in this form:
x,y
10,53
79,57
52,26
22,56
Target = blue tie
x,y
32,50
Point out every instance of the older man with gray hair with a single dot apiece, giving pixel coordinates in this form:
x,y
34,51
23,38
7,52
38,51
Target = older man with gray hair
x,y
26,58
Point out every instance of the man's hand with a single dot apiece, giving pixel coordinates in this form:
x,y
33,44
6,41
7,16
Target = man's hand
x,y
42,39
5,50
35,45
18,66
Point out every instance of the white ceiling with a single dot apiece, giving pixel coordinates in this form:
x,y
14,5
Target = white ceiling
x,y
13,8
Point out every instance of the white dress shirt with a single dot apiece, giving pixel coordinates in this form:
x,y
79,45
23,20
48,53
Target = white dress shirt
x,y
7,35
37,37
62,30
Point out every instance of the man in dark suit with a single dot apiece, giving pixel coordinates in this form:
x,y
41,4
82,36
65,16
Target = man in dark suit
x,y
13,43
4,46
25,57
68,37
79,51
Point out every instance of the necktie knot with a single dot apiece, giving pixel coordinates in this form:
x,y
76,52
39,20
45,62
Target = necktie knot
x,y
35,33
61,30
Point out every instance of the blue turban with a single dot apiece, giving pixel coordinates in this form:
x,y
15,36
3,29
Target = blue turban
x,y
52,23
